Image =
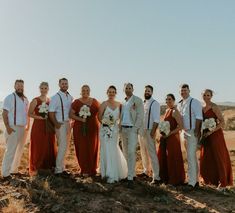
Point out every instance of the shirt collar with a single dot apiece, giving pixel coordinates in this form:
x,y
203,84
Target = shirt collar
x,y
149,100
187,99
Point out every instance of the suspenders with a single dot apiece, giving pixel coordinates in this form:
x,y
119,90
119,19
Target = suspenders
x,y
190,115
14,108
190,111
149,113
62,107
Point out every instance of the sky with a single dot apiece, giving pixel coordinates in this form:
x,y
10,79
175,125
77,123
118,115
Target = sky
x,y
101,42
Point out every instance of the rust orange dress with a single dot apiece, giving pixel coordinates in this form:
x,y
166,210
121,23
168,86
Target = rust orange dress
x,y
170,155
215,164
42,152
87,145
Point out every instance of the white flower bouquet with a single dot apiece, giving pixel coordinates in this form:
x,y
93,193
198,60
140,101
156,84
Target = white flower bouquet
x,y
84,113
43,110
108,124
164,128
208,125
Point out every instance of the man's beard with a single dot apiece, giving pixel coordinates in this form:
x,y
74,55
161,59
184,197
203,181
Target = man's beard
x,y
147,96
20,94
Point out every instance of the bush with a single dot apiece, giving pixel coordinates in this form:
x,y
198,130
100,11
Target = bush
x,y
230,124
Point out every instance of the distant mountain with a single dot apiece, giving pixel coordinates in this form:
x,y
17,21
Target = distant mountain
x,y
227,103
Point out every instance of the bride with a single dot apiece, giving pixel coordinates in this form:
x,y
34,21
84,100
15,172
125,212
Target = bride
x,y
113,165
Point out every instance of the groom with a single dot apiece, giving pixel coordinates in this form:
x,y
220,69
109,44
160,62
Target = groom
x,y
131,121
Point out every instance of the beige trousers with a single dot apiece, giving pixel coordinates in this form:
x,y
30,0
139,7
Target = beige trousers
x,y
14,150
149,154
63,136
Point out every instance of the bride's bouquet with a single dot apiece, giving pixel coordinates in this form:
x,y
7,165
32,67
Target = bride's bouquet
x,y
43,110
108,124
207,126
84,113
164,128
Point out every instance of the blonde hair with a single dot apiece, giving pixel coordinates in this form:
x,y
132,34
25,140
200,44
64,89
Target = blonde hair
x,y
43,84
208,90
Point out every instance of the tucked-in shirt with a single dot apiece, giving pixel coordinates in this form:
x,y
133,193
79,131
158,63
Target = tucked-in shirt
x,y
21,114
154,113
56,106
126,117
196,112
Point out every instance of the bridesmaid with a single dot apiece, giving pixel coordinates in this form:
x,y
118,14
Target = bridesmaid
x,y
215,164
169,152
42,152
86,145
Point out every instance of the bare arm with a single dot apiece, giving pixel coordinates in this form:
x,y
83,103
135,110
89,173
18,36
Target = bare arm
x,y
197,131
32,107
6,123
101,111
219,115
54,120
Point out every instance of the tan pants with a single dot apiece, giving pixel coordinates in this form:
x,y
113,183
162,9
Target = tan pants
x,y
129,143
14,150
63,135
191,143
149,154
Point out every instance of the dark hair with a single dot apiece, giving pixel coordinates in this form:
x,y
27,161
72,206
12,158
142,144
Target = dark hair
x,y
184,86
19,81
149,86
171,95
112,87
85,85
128,84
63,79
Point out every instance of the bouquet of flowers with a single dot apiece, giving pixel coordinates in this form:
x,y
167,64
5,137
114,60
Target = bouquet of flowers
x,y
207,126
84,113
164,127
43,110
108,122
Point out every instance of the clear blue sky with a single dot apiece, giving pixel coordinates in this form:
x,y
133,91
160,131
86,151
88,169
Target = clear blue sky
x,y
103,42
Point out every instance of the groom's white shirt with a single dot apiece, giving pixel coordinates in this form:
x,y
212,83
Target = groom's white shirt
x,y
126,118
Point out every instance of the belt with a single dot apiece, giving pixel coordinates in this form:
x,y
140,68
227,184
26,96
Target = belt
x,y
127,126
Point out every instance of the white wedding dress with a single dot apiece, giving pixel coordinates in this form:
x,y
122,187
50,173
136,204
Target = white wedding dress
x,y
113,165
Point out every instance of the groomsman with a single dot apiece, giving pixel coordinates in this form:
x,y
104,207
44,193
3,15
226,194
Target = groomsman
x,y
59,114
16,121
131,122
191,111
147,139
